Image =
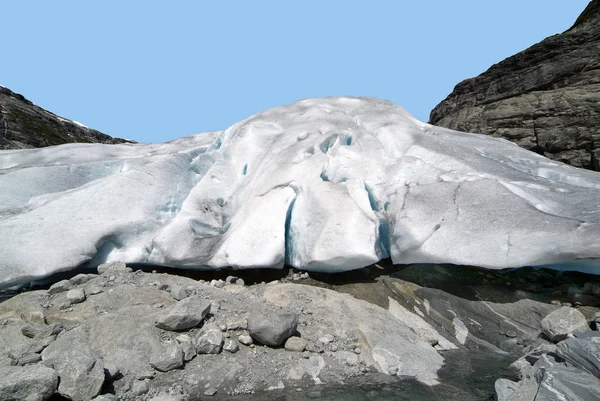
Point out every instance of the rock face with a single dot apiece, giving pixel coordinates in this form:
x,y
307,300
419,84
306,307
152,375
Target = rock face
x,y
545,99
25,125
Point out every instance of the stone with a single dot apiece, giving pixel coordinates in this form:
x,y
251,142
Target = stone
x,y
505,389
239,324
27,383
58,287
230,346
209,340
113,267
556,325
245,339
140,387
169,357
273,327
240,281
210,392
81,371
295,344
582,351
29,359
326,339
178,292
187,346
545,98
185,314
524,390
567,383
40,331
76,295
81,279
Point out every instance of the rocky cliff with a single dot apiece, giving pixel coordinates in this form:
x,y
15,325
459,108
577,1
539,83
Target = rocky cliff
x,y
26,125
545,98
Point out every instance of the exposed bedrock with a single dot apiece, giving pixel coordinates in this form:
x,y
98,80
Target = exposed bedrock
x,y
545,98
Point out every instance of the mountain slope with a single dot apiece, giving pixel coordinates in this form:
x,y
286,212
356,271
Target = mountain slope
x,y
545,98
26,125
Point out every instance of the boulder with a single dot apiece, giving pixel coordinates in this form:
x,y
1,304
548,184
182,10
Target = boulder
x,y
40,331
245,339
296,344
185,314
76,295
272,327
505,389
567,383
209,340
556,325
169,357
61,286
81,279
80,370
231,346
27,383
583,352
113,267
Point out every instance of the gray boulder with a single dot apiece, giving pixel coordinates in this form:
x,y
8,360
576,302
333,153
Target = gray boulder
x,y
272,327
61,286
81,372
39,331
185,314
296,344
76,295
210,340
556,325
231,346
582,352
525,390
81,279
169,357
505,389
187,346
113,267
27,383
567,383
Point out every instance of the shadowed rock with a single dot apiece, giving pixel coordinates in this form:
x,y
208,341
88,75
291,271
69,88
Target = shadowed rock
x,y
272,327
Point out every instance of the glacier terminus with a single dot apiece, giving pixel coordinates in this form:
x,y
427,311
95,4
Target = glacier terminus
x,y
330,184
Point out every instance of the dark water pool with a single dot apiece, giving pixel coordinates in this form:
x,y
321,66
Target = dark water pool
x,y
466,376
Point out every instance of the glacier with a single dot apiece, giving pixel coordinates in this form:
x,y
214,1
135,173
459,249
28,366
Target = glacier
x,y
329,184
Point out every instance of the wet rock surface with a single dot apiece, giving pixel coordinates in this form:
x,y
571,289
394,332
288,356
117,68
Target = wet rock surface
x,y
545,98
380,322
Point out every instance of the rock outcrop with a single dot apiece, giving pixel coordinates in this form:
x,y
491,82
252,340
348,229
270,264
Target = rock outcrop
x,y
26,125
545,98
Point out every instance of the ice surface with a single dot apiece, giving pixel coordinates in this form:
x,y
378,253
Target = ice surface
x,y
322,184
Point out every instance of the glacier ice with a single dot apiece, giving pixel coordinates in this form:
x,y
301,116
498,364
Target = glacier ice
x,y
328,184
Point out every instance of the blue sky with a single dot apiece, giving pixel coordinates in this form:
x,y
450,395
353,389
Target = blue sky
x,y
154,71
